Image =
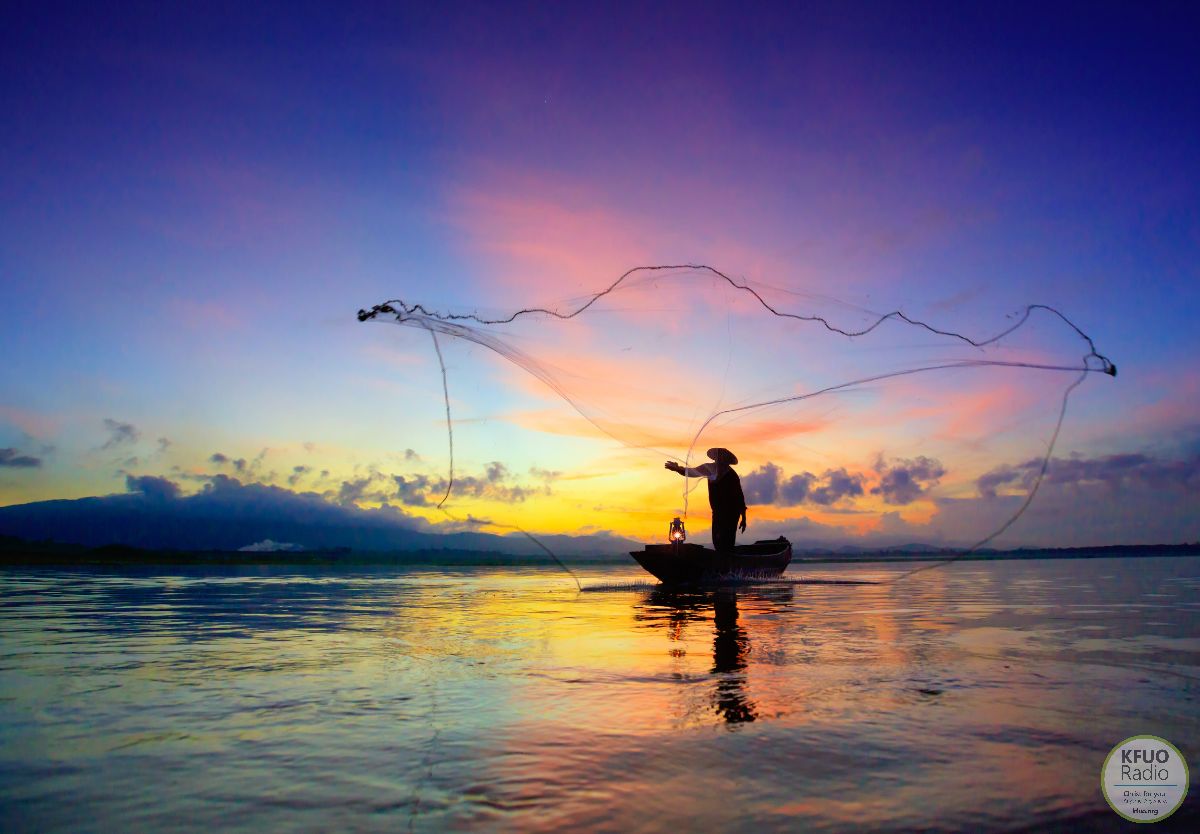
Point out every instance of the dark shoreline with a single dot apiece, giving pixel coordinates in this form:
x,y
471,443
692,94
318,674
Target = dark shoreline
x,y
17,553
1106,552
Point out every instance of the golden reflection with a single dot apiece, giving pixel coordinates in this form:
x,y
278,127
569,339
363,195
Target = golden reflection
x,y
675,611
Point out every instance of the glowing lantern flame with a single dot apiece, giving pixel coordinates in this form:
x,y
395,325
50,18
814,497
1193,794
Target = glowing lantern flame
x,y
677,533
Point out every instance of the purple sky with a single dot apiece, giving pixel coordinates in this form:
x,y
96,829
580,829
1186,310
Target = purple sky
x,y
194,204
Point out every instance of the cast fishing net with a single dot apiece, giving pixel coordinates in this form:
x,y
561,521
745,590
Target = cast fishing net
x,y
669,360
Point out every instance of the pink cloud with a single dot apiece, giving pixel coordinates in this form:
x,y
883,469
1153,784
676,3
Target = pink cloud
x,y
31,422
1173,403
544,248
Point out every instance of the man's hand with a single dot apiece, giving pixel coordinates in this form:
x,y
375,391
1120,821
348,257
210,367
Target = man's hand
x,y
673,466
743,522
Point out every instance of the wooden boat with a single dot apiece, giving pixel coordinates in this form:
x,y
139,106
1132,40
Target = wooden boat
x,y
684,564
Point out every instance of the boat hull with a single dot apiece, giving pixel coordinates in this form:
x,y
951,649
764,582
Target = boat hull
x,y
686,564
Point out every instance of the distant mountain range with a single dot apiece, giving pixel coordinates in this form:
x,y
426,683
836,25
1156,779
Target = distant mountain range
x,y
850,549
227,515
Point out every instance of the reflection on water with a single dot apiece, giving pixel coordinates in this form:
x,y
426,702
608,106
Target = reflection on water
x,y
980,697
675,610
730,646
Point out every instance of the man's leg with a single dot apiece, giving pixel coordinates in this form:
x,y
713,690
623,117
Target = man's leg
x,y
724,532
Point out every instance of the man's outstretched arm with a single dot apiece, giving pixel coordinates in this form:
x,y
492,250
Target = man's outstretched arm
x,y
704,470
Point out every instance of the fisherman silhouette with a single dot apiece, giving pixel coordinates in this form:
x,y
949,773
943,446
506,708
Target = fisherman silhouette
x,y
724,495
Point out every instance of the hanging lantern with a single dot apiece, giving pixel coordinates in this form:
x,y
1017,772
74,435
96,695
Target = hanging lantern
x,y
677,533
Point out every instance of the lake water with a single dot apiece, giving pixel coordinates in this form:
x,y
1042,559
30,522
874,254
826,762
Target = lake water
x,y
975,697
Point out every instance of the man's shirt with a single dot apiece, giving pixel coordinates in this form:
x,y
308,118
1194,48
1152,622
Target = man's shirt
x,y
724,488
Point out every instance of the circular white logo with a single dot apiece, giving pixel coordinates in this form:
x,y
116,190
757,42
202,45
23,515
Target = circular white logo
x,y
1144,779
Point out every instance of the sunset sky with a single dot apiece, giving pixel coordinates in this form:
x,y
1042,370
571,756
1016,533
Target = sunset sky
x,y
195,203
